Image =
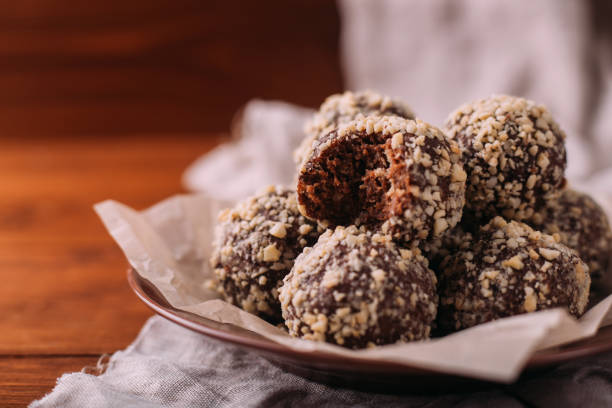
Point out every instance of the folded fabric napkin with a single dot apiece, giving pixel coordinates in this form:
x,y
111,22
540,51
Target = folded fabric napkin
x,y
169,366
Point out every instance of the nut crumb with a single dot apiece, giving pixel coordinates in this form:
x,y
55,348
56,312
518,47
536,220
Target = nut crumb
x,y
271,253
549,254
278,230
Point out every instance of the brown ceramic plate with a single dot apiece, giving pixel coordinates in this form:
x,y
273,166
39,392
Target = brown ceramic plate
x,y
350,371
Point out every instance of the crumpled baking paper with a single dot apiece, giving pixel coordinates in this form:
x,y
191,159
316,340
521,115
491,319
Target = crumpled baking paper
x,y
169,244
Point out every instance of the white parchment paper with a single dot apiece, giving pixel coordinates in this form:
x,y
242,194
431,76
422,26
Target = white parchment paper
x,y
170,244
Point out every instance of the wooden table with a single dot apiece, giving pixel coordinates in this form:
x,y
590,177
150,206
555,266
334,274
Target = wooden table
x,y
64,295
114,99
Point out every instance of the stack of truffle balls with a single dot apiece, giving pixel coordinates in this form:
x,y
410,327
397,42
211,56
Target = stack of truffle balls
x,y
397,228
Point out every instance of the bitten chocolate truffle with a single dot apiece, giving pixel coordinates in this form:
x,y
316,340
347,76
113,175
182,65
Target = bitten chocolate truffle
x,y
356,288
512,269
255,246
345,107
582,225
401,176
514,155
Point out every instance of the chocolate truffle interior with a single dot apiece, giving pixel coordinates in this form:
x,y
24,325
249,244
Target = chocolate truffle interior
x,y
355,178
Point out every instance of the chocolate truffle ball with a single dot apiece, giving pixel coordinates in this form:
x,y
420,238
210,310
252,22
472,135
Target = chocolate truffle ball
x,y
345,107
582,226
514,155
356,288
255,246
437,250
512,269
401,176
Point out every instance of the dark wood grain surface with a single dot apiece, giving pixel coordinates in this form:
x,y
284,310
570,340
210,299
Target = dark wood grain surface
x,y
114,100
155,66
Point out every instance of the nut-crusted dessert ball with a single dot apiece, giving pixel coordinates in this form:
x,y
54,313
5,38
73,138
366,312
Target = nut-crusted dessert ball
x,y
437,250
582,226
255,246
357,288
401,176
345,107
511,269
514,155
461,237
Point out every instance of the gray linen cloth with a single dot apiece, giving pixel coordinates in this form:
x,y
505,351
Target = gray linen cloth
x,y
169,366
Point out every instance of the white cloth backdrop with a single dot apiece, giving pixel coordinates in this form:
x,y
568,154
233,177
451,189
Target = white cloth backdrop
x,y
439,54
436,54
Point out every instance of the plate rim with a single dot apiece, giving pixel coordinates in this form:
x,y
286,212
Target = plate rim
x,y
541,359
